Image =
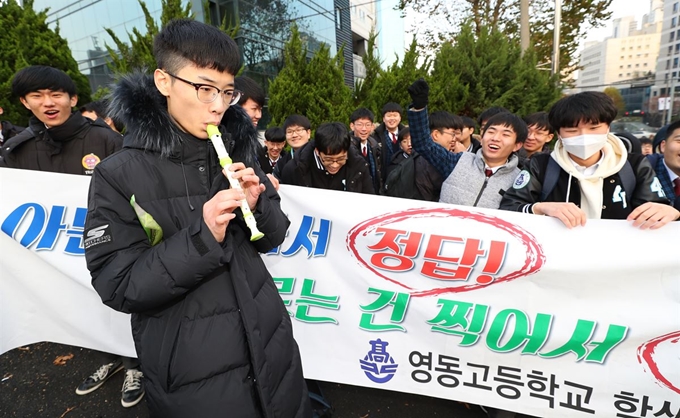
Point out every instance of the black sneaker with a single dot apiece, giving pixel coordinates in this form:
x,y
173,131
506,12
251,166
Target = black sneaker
x,y
133,388
98,378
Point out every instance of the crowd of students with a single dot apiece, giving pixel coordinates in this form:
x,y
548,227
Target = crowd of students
x,y
590,173
196,273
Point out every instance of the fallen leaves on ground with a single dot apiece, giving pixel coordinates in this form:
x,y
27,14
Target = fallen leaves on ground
x,y
61,360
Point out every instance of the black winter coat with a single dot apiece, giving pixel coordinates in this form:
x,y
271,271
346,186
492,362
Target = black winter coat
x,y
210,329
299,171
74,147
388,149
373,159
613,208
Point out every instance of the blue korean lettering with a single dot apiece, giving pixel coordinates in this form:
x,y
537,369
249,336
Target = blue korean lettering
x,y
74,245
303,238
12,222
54,226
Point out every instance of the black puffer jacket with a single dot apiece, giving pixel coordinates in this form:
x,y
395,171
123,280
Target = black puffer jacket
x,y
210,329
73,147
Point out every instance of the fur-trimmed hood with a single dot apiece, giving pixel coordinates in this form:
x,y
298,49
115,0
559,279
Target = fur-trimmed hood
x,y
138,104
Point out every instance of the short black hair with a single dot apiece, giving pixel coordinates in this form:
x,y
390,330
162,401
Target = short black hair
x,y
588,107
361,113
297,120
646,141
468,122
489,113
41,77
444,120
100,107
403,134
540,120
671,128
332,138
183,41
509,120
391,107
275,134
249,90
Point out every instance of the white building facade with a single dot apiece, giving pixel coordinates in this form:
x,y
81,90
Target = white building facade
x,y
667,82
622,59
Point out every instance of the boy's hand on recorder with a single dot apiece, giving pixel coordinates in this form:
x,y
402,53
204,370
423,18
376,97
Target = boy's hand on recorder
x,y
249,181
218,211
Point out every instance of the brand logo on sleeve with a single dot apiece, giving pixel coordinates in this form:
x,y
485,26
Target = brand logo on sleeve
x,y
96,236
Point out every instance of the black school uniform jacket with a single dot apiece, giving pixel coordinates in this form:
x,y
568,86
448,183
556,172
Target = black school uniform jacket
x,y
210,329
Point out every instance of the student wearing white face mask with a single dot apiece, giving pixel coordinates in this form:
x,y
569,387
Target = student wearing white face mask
x,y
589,175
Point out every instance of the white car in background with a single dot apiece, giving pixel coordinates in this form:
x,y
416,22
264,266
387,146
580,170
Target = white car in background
x,y
637,129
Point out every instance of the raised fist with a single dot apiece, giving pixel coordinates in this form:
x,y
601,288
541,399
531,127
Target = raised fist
x,y
419,92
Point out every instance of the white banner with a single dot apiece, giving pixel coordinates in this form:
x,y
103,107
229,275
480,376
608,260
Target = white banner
x,y
488,307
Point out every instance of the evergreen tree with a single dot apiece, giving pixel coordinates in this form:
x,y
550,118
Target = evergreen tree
x,y
25,40
392,84
363,96
313,88
446,90
487,69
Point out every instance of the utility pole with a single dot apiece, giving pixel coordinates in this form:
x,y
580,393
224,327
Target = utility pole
x,y
556,38
663,118
524,24
670,106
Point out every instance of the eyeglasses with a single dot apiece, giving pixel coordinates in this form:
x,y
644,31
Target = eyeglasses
x,y
207,93
363,125
539,134
291,132
275,145
453,134
329,161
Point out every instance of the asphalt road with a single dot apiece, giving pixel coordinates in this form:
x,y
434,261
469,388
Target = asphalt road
x,y
32,386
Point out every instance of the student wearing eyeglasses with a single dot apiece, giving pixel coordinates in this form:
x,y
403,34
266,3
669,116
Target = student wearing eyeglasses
x,y
330,162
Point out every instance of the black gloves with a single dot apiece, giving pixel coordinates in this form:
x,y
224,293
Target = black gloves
x,y
419,92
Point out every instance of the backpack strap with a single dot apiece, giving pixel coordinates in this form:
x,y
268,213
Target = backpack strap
x,y
627,176
552,173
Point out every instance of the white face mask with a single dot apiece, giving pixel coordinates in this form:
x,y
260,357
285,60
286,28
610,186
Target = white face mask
x,y
584,146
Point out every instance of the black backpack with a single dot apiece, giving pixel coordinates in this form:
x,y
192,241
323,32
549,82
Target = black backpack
x,y
401,182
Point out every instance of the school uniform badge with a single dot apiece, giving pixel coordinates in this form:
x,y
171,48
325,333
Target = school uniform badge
x,y
89,161
522,180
